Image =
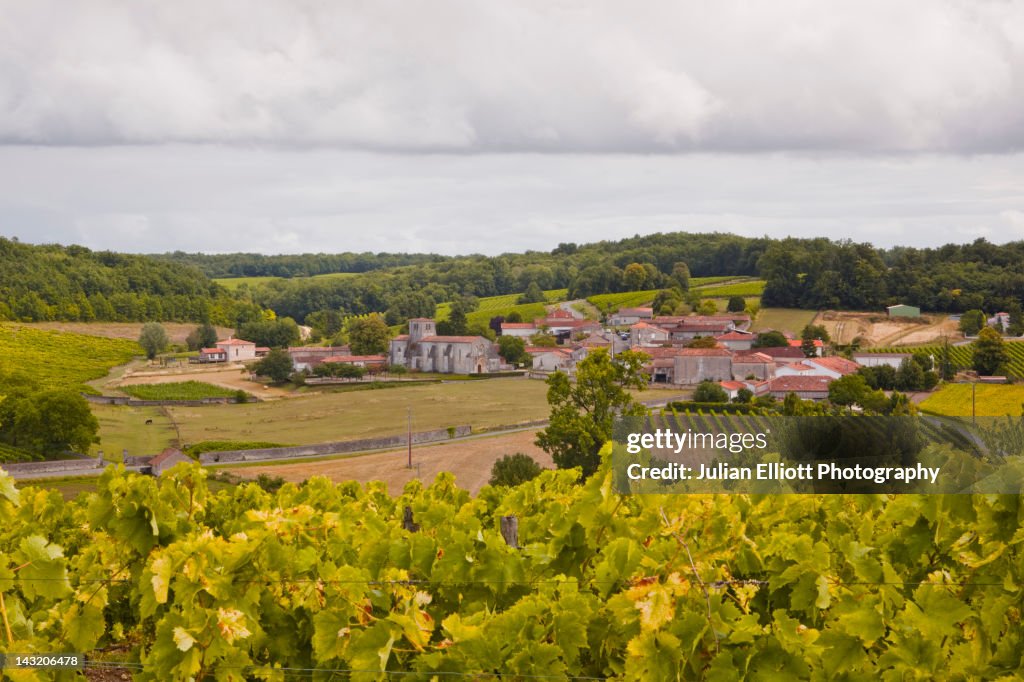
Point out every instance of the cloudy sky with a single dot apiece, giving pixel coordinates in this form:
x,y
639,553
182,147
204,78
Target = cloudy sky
x,y
463,126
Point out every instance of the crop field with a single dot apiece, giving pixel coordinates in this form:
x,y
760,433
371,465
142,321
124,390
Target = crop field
x,y
124,427
992,400
962,355
753,287
252,282
490,306
177,390
783,319
626,299
61,359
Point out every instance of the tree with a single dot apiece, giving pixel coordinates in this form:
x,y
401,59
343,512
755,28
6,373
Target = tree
x,y
681,276
737,304
48,422
533,294
513,349
543,340
707,307
275,365
582,413
667,302
710,392
702,342
514,316
368,335
971,322
771,339
743,396
511,470
946,366
203,336
989,353
153,339
277,333
910,376
634,277
848,390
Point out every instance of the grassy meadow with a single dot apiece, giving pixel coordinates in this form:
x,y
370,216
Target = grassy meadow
x,y
783,319
61,359
124,427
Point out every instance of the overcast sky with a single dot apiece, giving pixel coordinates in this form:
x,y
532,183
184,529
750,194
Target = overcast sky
x,y
458,127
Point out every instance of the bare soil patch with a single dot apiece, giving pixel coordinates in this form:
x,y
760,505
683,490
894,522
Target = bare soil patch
x,y
470,461
176,331
227,376
875,329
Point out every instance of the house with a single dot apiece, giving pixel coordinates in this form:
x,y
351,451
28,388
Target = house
x,y
903,310
755,364
155,465
262,351
732,388
894,360
805,387
628,316
423,350
819,346
553,360
662,365
213,355
694,365
306,358
372,363
831,367
688,330
238,350
783,354
736,340
646,334
523,330
1001,320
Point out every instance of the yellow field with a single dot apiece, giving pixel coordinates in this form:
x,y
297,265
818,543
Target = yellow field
x,y
123,427
992,400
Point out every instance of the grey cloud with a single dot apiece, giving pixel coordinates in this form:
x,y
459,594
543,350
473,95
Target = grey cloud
x,y
536,75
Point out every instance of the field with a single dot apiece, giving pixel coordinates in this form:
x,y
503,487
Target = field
x,y
961,355
783,319
251,282
177,390
176,331
61,359
491,306
753,287
470,461
124,428
228,377
875,329
609,303
993,400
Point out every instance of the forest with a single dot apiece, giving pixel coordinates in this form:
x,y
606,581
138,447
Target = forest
x,y
73,283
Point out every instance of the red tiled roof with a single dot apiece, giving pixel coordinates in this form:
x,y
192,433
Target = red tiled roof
x,y
355,358
796,343
732,385
212,350
400,337
518,325
800,384
645,325
263,348
658,351
634,311
801,367
450,339
752,357
561,313
782,352
166,454
735,336
836,364
708,352
235,342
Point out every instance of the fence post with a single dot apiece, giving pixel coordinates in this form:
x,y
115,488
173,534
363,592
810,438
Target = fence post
x,y
510,531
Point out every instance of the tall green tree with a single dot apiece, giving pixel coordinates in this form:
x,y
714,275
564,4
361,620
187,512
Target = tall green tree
x,y
275,365
513,349
681,276
203,336
582,413
989,353
511,470
971,322
368,335
153,339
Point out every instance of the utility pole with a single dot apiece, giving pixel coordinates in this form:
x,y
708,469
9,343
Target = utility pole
x,y
410,439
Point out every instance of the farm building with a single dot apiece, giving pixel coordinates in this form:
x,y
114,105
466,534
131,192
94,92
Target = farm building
x,y
369,362
646,334
894,360
694,365
627,316
308,357
903,310
238,349
805,387
521,329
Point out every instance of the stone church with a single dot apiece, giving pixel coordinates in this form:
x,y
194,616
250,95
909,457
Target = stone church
x,y
423,350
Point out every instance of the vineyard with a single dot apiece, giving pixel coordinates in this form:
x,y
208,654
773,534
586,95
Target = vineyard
x,y
750,288
962,355
170,581
61,359
178,390
491,306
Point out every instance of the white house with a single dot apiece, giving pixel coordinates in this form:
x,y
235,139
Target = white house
x,y
523,330
894,360
646,334
626,316
238,350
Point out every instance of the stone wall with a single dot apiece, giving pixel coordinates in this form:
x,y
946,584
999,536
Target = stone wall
x,y
117,400
337,448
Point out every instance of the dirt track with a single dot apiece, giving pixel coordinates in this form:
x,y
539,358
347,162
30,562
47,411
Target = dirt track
x,y
469,460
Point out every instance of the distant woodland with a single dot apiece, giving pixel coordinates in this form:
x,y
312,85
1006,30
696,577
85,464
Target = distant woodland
x,y
73,283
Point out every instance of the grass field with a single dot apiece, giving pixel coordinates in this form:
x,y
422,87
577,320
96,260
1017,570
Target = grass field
x,y
124,428
178,390
783,319
235,282
609,303
491,306
992,400
61,359
323,417
753,287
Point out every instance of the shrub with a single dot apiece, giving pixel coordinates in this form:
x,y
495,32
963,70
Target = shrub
x,y
511,470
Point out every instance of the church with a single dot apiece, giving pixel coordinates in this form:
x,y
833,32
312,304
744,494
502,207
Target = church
x,y
423,350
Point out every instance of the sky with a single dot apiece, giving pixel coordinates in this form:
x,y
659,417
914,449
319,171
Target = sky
x,y
465,127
